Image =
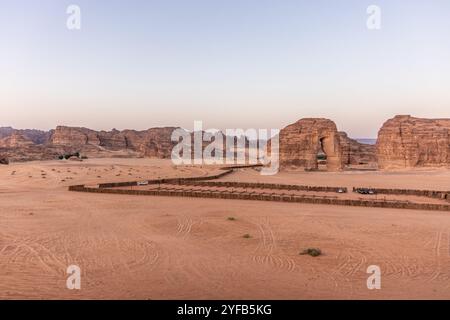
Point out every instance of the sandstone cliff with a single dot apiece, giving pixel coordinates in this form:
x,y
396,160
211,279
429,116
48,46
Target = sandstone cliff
x,y
17,146
36,136
301,142
74,137
155,142
408,142
403,142
24,145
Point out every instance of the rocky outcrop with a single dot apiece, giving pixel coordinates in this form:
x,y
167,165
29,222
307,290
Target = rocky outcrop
x,y
17,147
311,143
4,160
36,136
15,140
408,142
300,144
112,140
155,142
356,153
22,145
74,137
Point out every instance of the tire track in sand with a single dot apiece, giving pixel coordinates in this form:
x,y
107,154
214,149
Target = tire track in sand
x,y
265,253
440,246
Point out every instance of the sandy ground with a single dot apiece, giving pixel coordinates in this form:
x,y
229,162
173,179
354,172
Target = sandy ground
x,y
132,247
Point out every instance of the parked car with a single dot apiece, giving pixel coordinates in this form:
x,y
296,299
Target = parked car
x,y
365,191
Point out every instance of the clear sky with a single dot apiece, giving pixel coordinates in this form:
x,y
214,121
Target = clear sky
x,y
231,63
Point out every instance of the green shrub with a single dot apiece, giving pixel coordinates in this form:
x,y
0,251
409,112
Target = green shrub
x,y
313,252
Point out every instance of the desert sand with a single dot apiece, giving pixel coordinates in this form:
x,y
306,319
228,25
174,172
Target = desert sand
x,y
132,247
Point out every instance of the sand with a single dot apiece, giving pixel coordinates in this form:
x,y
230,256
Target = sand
x,y
137,247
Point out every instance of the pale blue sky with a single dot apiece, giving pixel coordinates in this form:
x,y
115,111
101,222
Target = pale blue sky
x,y
231,63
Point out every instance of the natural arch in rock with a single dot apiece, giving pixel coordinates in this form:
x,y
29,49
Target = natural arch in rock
x,y
331,147
301,142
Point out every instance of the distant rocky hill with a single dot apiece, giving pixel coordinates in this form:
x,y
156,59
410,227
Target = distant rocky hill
x,y
24,145
403,142
367,141
155,142
36,136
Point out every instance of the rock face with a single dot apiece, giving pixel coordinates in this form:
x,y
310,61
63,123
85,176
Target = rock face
x,y
311,143
16,140
24,145
408,142
301,143
356,153
155,142
36,136
75,137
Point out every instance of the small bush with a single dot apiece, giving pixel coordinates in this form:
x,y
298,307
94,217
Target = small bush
x,y
313,252
231,218
246,236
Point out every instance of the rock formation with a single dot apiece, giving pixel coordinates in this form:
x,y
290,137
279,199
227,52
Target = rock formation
x,y
301,142
75,137
408,142
15,140
356,153
17,146
311,143
155,142
36,136
24,145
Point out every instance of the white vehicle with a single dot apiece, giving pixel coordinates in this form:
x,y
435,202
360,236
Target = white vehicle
x,y
142,183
